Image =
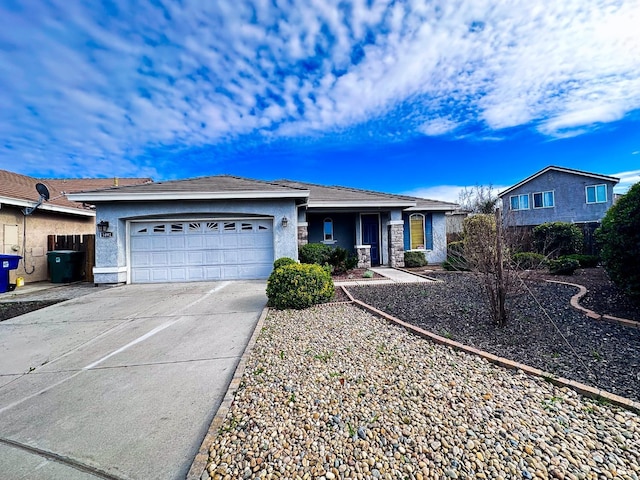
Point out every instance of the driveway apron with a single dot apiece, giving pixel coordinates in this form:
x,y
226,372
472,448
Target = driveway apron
x,y
122,383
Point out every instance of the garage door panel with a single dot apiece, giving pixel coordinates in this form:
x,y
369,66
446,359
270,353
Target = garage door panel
x,y
203,250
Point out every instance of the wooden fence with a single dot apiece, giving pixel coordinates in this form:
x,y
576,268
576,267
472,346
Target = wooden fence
x,y
78,243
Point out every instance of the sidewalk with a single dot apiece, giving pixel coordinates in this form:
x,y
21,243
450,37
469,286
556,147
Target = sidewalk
x,y
391,276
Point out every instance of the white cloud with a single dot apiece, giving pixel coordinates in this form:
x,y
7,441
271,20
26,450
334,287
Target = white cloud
x,y
447,193
627,179
78,80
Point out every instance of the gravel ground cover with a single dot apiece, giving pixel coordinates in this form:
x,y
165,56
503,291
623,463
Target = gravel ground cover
x,y
603,296
565,343
334,392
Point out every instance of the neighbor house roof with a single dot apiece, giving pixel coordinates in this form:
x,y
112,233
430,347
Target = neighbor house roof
x,y
217,187
581,173
20,191
333,196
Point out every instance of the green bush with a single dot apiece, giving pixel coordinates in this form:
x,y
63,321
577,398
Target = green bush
x,y
586,261
529,260
367,274
619,240
555,239
282,261
414,259
315,253
341,260
563,266
299,286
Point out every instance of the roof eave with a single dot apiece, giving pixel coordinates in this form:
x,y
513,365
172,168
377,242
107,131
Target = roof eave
x,y
93,197
432,208
15,202
359,204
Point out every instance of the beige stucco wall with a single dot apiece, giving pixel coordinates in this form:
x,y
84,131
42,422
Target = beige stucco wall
x,y
39,226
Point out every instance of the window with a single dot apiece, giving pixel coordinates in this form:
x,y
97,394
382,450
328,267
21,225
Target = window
x,y
229,226
176,228
596,193
520,202
328,230
543,200
416,231
158,229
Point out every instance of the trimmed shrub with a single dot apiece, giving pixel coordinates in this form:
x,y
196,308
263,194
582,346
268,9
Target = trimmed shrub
x,y
555,239
619,239
299,286
586,261
529,260
315,253
563,266
367,274
282,261
414,259
341,260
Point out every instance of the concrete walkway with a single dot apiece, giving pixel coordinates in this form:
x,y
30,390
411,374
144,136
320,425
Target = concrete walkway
x,y
391,276
122,383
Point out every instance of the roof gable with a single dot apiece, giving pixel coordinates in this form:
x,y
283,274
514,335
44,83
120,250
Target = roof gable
x,y
571,171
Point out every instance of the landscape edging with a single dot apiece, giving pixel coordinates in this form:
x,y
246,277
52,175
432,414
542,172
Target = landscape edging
x,y
575,303
581,388
202,457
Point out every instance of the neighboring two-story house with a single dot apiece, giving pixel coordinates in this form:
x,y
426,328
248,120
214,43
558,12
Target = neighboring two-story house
x,y
558,194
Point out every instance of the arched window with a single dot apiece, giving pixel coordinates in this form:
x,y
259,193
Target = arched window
x,y
416,231
328,230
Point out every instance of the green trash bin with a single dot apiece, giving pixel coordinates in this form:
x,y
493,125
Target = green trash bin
x,y
65,266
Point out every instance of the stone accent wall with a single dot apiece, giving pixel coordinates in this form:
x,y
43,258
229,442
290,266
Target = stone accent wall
x,y
364,256
396,245
303,235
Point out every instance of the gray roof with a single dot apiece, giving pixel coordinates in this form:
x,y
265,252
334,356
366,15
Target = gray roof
x,y
229,187
338,196
201,188
572,171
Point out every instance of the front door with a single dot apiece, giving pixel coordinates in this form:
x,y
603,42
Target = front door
x,y
371,236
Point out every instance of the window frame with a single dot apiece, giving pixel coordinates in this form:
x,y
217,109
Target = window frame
x,y
421,246
595,193
542,196
519,197
330,236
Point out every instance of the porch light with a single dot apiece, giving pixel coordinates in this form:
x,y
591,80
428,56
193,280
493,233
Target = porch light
x,y
103,226
285,222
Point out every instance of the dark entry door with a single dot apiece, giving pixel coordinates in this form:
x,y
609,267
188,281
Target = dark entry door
x,y
371,236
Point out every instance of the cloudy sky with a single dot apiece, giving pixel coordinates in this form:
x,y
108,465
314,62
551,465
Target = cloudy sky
x,y
403,96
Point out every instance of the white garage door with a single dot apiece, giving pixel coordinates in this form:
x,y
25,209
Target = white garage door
x,y
201,250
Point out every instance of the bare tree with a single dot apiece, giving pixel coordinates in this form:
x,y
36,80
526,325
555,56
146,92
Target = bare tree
x,y
478,199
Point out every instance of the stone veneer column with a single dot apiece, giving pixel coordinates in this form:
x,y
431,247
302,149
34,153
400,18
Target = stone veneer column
x,y
303,235
364,256
396,244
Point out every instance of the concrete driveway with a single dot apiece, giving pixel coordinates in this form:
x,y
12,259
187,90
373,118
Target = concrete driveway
x,y
122,383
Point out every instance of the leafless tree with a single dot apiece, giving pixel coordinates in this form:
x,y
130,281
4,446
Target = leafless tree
x,y
478,199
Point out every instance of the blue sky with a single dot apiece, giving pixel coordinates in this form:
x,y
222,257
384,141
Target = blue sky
x,y
420,97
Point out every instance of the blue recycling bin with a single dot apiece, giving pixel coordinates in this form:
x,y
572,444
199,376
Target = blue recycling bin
x,y
7,262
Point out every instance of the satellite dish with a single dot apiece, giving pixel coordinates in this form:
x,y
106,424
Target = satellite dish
x,y
42,190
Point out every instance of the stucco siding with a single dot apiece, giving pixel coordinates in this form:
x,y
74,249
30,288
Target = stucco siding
x,y
39,226
344,226
111,252
570,203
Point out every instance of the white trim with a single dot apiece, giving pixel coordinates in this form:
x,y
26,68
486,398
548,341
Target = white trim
x,y
533,199
396,222
424,232
363,246
47,207
303,224
148,196
595,192
519,208
99,270
434,208
356,204
196,219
